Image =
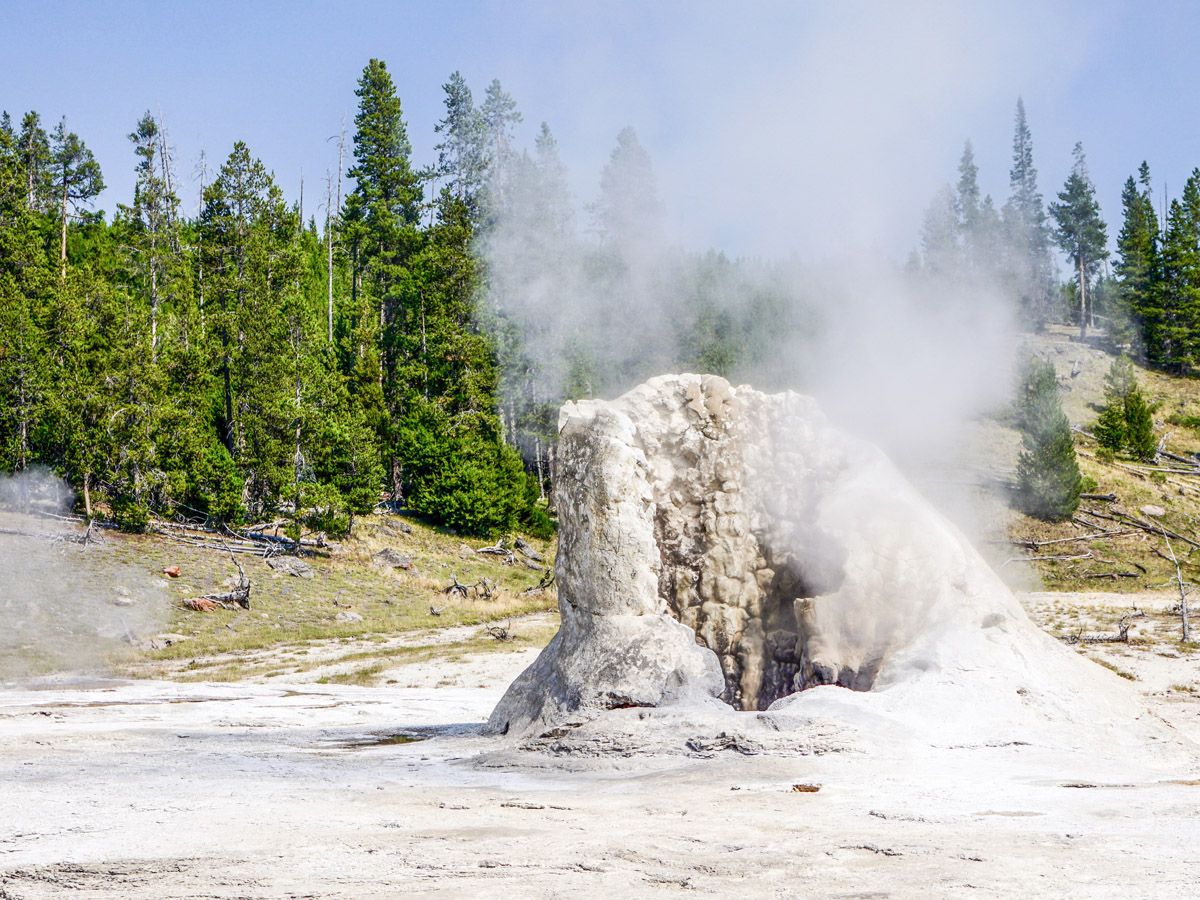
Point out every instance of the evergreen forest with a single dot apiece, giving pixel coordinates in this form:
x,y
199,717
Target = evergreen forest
x,y
252,360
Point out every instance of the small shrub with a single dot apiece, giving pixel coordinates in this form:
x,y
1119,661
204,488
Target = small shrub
x,y
1048,478
323,508
130,514
1192,422
1126,422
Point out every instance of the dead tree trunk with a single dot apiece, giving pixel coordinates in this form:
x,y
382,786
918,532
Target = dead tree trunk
x,y
1185,625
63,240
1082,298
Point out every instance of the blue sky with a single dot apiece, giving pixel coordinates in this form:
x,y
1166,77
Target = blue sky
x,y
775,127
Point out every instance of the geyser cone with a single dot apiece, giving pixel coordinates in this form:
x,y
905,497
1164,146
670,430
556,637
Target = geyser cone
x,y
721,542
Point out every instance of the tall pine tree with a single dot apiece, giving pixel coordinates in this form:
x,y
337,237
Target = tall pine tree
x,y
1028,236
1081,233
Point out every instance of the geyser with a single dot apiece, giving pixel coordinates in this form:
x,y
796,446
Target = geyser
x,y
721,542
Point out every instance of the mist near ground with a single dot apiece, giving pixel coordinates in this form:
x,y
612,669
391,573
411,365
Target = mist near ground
x,y
65,605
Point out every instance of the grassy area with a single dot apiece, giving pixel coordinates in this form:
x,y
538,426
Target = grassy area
x,y
348,598
1132,551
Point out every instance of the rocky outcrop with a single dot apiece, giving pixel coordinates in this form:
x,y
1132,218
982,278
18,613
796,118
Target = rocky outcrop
x,y
718,542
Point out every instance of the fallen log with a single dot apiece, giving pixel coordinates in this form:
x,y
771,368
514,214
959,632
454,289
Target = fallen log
x,y
1166,470
1152,528
256,549
499,550
1034,545
526,550
1191,461
318,542
238,597
58,537
1087,555
1121,636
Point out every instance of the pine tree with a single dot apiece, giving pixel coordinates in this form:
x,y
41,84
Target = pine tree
x,y
1177,306
1081,233
1137,266
941,246
1125,421
1028,236
1139,427
968,199
25,283
380,232
153,216
33,149
76,178
1048,479
462,152
500,116
248,235
628,212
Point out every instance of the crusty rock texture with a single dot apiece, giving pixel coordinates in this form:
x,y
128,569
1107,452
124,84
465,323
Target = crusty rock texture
x,y
721,542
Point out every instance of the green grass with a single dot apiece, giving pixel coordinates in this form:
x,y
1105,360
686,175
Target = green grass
x,y
1128,676
288,613
378,659
1178,410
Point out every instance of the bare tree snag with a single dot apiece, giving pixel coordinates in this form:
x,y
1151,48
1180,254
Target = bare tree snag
x,y
1185,625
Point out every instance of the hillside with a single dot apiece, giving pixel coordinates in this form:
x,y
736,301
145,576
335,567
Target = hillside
x,y
357,607
1124,558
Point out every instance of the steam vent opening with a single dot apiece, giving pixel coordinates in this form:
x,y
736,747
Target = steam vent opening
x,y
752,609
734,514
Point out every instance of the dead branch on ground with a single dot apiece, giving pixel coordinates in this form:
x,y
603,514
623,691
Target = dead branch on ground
x,y
505,554
1121,636
238,597
1034,545
456,587
1185,625
546,582
501,633
523,547
1087,555
1122,518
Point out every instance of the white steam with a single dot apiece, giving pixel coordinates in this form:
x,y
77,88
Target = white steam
x,y
65,605
812,162
898,356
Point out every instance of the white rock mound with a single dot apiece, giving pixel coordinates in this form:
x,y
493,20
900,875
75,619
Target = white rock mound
x,y
718,542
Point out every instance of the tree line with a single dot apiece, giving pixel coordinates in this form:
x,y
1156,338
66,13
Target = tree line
x,y
245,361
411,345
1147,299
